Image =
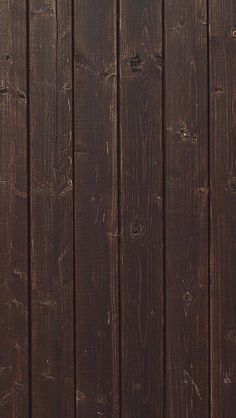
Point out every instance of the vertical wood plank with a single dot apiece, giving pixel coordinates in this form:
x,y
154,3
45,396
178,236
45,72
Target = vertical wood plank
x,y
141,242
13,208
186,123
223,225
51,208
96,208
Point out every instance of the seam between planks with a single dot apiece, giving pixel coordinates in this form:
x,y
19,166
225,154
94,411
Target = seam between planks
x,y
118,73
164,297
29,210
73,199
209,213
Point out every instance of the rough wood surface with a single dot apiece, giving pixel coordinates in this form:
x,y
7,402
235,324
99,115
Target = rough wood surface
x,y
141,202
186,178
51,172
223,227
13,212
117,209
96,227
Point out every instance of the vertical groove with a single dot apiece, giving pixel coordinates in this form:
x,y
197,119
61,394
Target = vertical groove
x,y
119,200
29,208
73,210
164,210
209,208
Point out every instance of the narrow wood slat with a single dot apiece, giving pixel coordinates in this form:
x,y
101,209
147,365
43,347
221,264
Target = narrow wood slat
x,y
96,209
186,127
223,204
141,201
13,212
51,208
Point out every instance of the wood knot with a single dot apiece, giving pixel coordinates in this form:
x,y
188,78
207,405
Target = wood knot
x,y
44,9
21,94
232,184
218,91
187,300
136,64
232,32
81,396
100,399
158,60
3,90
137,229
184,134
203,190
6,57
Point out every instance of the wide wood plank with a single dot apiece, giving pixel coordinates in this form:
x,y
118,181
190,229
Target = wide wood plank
x,y
186,128
141,203
223,205
14,398
51,161
96,230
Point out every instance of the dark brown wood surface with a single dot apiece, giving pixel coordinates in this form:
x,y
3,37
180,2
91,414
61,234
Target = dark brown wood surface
x,y
14,380
223,228
117,209
96,215
141,202
51,174
186,179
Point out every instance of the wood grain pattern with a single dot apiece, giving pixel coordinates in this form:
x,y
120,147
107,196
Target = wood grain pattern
x,y
186,120
223,225
13,212
117,209
51,162
141,198
96,209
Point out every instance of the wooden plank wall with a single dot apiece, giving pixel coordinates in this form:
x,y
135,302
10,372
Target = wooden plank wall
x,y
187,210
141,202
14,243
96,212
223,226
117,209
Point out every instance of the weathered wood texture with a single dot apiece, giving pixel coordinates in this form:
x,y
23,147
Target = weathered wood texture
x,y
51,172
13,212
141,202
117,209
223,182
96,220
186,178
